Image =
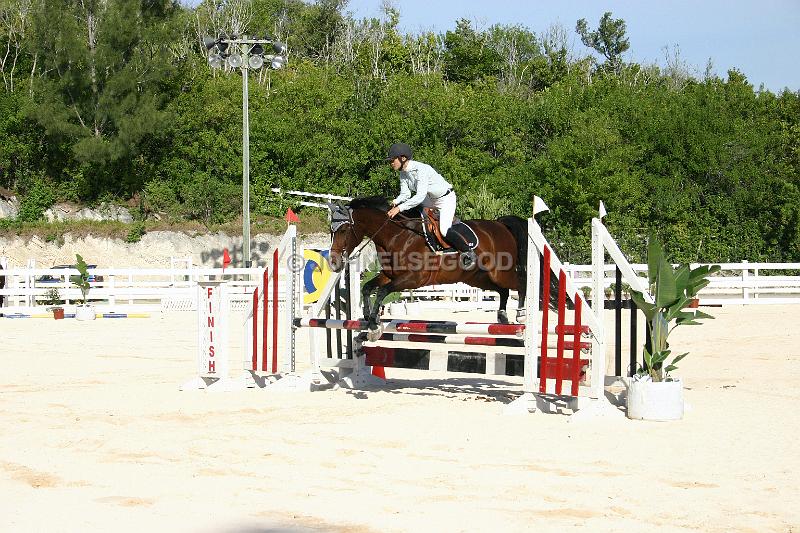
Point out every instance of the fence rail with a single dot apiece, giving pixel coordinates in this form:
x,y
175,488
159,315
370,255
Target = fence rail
x,y
736,284
141,289
121,289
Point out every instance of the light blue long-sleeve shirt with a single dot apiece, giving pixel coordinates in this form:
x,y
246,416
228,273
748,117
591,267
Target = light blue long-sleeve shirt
x,y
424,181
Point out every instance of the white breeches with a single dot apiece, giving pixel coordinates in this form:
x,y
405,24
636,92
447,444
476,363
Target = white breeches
x,y
447,210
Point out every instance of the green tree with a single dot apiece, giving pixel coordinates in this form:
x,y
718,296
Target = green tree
x,y
608,39
467,56
99,80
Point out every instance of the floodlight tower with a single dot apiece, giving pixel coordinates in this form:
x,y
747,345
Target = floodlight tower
x,y
244,53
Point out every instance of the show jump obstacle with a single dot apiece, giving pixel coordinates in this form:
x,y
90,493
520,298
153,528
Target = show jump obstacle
x,y
563,351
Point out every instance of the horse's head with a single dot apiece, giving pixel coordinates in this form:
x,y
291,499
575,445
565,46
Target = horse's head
x,y
351,223
345,235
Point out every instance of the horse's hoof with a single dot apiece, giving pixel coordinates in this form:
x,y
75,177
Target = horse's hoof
x,y
374,334
502,317
521,315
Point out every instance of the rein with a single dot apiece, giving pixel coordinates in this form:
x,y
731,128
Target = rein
x,y
370,238
399,224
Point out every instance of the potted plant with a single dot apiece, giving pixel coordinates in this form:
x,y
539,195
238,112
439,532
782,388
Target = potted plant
x,y
413,306
652,393
52,299
83,311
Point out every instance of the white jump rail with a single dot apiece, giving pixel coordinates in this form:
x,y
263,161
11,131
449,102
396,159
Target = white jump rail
x,y
304,194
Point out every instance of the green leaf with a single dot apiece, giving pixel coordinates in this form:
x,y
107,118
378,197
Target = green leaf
x,y
647,308
654,258
700,315
648,359
679,357
659,333
660,357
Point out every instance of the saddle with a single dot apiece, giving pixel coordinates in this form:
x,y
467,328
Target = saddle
x,y
433,235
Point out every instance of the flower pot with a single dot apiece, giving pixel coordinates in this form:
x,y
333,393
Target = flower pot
x,y
396,309
657,401
58,313
84,312
413,309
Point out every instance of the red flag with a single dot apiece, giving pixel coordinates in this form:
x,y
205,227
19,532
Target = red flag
x,y
226,259
290,216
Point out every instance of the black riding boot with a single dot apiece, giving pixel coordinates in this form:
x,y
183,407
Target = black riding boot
x,y
467,257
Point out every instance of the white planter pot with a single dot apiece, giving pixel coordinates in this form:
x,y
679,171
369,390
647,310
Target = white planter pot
x,y
84,312
659,401
396,309
413,309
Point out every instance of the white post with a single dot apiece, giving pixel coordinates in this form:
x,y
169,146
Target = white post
x,y
247,341
598,271
212,338
354,274
294,302
529,401
533,341
130,285
599,339
4,266
28,283
757,284
112,299
745,276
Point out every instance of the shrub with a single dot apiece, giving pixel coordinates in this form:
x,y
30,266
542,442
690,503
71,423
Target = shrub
x,y
38,195
136,232
160,197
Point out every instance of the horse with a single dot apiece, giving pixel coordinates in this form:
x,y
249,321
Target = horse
x,y
408,263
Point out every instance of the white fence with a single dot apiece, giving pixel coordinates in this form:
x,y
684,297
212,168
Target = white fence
x,y
736,284
168,289
123,289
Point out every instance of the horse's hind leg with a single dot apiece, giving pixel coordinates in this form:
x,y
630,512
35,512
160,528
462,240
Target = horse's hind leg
x,y
502,314
522,290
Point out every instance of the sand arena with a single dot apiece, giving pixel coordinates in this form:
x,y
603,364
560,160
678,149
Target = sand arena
x,y
95,435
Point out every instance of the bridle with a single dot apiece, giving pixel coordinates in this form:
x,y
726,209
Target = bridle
x,y
343,216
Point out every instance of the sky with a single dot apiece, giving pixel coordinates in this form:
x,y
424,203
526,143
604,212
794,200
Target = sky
x,y
761,38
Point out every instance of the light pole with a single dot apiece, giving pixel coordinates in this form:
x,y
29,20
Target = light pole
x,y
244,53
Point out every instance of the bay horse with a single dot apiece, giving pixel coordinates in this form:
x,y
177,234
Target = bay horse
x,y
408,263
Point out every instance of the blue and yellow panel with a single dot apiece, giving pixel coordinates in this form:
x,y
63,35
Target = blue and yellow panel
x,y
316,274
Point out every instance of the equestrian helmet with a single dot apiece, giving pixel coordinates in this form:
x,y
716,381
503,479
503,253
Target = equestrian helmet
x,y
399,150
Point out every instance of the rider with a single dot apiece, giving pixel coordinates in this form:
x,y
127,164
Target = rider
x,y
429,189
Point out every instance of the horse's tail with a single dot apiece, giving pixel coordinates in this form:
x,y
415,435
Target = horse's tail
x,y
519,229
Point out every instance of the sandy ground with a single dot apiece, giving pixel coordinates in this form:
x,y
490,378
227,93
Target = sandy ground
x,y
95,436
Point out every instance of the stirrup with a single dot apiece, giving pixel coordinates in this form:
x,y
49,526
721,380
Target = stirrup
x,y
468,259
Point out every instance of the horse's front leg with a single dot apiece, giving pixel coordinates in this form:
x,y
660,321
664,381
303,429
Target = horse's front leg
x,y
375,328
366,295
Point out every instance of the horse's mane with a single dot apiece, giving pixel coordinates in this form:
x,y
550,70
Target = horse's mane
x,y
372,202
